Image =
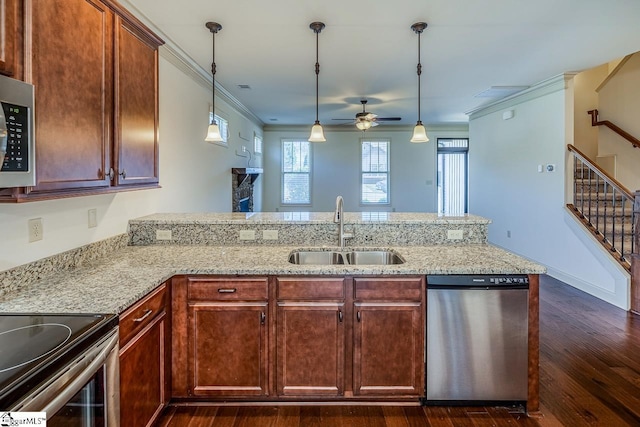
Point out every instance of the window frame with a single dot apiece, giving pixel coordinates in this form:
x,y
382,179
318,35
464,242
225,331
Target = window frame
x,y
284,141
387,172
257,143
452,150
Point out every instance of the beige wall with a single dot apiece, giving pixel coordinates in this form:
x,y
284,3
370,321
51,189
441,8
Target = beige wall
x,y
585,99
619,102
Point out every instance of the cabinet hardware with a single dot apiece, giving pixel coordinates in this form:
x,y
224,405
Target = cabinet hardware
x,y
358,316
110,174
340,316
146,314
123,174
263,317
226,290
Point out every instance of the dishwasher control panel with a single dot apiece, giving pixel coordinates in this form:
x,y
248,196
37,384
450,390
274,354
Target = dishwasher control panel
x,y
481,280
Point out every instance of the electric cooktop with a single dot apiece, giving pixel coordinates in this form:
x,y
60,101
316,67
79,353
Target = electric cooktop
x,y
34,346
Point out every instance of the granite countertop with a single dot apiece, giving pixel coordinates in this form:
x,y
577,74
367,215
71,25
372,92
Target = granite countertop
x,y
113,283
308,218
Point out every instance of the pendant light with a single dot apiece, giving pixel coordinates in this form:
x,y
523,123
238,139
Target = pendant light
x,y
419,132
213,133
317,134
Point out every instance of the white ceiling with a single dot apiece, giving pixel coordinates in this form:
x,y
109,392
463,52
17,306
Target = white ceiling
x,y
368,50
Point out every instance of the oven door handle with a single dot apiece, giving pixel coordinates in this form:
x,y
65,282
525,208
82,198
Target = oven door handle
x,y
53,396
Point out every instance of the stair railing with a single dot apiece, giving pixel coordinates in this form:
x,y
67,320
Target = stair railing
x,y
594,122
603,204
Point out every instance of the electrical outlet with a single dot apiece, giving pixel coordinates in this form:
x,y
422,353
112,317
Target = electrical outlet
x,y
163,234
454,234
92,218
247,235
35,230
270,235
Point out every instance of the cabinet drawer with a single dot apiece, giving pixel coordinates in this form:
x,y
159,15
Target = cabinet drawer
x,y
391,288
310,288
142,313
225,289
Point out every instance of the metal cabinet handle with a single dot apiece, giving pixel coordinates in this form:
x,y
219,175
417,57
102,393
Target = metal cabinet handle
x,y
263,318
226,290
111,174
146,314
123,174
340,316
358,316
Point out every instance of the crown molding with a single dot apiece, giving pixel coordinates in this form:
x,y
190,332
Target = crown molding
x,y
545,87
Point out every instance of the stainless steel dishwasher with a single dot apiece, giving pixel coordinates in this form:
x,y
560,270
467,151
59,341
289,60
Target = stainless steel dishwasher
x,y
477,346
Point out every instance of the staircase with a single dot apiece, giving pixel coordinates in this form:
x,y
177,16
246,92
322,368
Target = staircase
x,y
605,207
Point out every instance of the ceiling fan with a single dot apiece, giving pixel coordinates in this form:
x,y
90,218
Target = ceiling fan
x,y
366,120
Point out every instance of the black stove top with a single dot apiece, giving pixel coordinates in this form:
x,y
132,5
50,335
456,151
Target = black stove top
x,y
34,346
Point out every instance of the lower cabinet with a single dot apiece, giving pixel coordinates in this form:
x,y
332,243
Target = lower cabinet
x,y
227,337
388,355
144,375
298,338
310,335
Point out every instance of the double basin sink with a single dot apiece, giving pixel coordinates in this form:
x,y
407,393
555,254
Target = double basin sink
x,y
352,257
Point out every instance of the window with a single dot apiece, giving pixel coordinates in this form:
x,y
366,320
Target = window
x,y
257,144
452,176
223,125
296,172
374,172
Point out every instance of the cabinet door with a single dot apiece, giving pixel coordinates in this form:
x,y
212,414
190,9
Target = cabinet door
x,y
310,348
388,352
136,100
71,70
9,32
228,349
142,379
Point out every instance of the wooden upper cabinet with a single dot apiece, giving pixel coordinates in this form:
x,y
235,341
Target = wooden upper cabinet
x,y
8,36
136,113
95,71
71,44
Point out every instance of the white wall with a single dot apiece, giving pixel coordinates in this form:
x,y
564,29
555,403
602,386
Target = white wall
x,y
336,168
619,102
506,187
194,175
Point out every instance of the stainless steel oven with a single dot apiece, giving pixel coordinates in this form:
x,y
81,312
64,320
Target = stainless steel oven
x,y
66,366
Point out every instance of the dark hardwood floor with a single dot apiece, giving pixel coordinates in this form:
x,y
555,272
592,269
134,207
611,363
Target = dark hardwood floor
x,y
589,376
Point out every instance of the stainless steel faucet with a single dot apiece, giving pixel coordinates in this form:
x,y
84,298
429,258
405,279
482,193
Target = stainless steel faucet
x,y
338,218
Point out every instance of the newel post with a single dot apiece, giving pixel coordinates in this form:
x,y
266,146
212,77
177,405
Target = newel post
x,y
635,257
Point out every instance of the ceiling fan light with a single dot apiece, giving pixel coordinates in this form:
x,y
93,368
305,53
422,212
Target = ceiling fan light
x,y
363,124
419,133
213,133
317,133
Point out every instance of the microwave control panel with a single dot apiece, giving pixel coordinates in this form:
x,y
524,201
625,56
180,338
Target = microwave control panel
x,y
17,151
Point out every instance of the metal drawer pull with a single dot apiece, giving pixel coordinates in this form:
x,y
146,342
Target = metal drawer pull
x,y
146,314
340,316
226,290
263,317
358,316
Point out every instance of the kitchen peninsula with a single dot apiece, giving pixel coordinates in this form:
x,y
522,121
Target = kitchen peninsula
x,y
220,273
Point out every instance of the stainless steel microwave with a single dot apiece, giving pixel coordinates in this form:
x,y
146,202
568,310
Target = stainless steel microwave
x,y
17,134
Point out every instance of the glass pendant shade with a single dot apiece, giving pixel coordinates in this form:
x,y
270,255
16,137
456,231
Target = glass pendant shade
x,y
317,133
213,133
419,133
363,125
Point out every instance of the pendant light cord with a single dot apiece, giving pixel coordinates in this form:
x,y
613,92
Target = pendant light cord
x,y
419,74
213,84
317,31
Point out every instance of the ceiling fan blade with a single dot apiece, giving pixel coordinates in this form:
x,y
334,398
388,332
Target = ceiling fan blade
x,y
344,119
389,119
